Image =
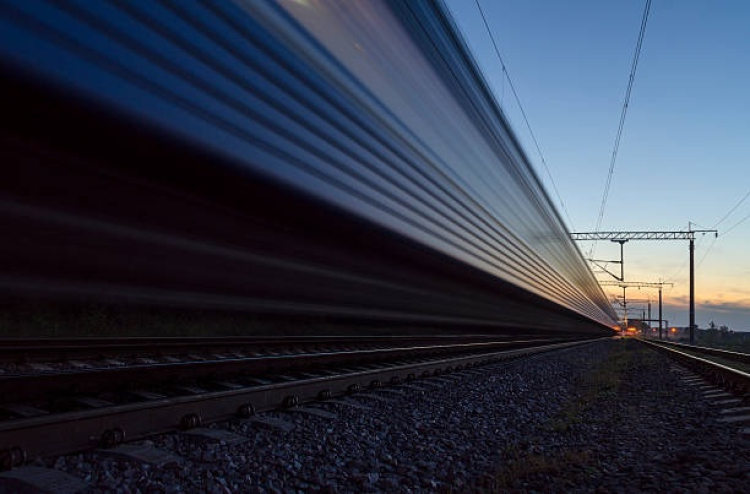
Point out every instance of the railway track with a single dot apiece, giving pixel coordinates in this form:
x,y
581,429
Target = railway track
x,y
712,353
724,368
86,366
55,412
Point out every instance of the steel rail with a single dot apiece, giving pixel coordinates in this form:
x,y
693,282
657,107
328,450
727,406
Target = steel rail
x,y
743,358
727,377
24,439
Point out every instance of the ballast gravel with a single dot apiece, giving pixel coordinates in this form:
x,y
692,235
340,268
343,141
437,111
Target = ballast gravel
x,y
612,416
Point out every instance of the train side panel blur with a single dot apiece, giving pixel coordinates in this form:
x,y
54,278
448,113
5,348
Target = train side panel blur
x,y
293,157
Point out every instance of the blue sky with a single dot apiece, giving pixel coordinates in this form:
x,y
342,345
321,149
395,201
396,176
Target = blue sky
x,y
685,149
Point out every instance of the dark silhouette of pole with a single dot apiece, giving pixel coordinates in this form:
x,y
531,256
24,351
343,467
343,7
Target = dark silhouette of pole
x,y
692,286
622,261
660,314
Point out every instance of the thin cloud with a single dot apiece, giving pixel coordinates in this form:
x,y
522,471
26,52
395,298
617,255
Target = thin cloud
x,y
735,306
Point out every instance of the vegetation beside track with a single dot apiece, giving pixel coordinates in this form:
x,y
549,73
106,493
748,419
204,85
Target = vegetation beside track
x,y
603,383
599,388
628,425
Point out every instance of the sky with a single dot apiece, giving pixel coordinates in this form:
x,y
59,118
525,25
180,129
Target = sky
x,y
684,154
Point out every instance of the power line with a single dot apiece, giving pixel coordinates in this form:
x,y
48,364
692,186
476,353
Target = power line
x,y
733,209
523,112
724,234
705,254
624,112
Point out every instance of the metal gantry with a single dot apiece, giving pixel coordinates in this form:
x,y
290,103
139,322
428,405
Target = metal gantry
x,y
628,306
624,236
640,284
621,262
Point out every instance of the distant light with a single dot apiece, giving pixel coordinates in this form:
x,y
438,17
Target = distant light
x,y
674,330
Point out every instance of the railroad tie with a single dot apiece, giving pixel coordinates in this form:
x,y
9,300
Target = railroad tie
x,y
393,392
25,479
381,399
743,419
416,387
349,403
316,412
271,422
24,411
215,436
143,454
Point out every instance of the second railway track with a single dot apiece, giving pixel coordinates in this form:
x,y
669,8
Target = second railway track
x,y
729,372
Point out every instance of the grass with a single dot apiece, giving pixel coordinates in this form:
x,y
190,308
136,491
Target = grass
x,y
519,465
603,383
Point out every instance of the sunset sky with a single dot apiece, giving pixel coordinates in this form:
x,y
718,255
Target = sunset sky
x,y
685,152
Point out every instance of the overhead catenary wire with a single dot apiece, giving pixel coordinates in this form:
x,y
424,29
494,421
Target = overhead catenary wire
x,y
523,113
732,210
726,232
623,114
705,254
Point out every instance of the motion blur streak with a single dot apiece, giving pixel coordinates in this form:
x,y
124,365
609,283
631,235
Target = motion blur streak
x,y
341,158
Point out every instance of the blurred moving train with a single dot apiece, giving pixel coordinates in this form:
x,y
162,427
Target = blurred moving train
x,y
309,158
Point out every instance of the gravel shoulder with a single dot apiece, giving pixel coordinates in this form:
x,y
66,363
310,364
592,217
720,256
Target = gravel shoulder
x,y
631,425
